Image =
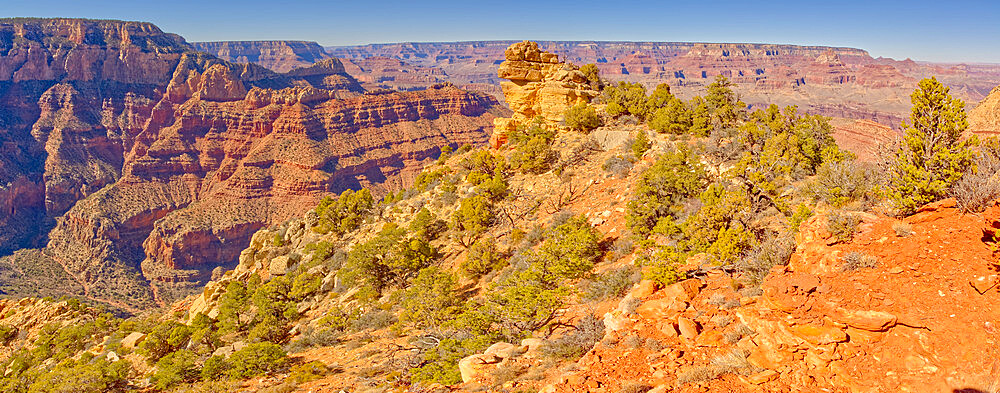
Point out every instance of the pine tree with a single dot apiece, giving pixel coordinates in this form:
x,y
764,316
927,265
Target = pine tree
x,y
932,156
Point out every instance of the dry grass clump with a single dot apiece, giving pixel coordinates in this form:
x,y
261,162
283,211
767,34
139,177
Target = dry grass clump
x,y
855,260
903,229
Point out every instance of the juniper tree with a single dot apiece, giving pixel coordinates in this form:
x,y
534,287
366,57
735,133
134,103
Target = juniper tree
x,y
932,156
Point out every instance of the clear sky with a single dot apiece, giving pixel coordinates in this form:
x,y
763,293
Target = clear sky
x,y
957,30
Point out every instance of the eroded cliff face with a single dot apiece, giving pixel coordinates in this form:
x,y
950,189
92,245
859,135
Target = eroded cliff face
x,y
278,56
73,92
156,174
985,118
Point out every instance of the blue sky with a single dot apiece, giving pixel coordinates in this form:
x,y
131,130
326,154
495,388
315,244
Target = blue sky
x,y
960,31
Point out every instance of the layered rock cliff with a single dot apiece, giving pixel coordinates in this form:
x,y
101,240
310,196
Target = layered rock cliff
x,y
278,56
156,168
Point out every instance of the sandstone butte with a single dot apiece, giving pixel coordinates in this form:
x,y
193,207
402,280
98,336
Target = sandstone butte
x,y
538,85
153,164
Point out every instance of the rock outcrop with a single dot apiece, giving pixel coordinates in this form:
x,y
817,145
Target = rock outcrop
x,y
908,322
539,85
157,172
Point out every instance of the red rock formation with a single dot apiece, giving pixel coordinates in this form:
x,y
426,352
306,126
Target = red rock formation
x,y
278,56
166,167
827,69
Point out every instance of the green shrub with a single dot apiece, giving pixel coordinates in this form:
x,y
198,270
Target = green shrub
x,y
175,368
675,176
659,98
305,285
521,303
720,227
727,109
256,359
306,372
214,368
321,251
535,156
233,304
593,75
932,156
482,258
625,99
672,118
440,362
801,214
427,226
571,346
432,300
345,213
7,334
83,375
640,145
842,225
570,249
474,216
662,266
165,338
428,178
390,258
582,117
536,130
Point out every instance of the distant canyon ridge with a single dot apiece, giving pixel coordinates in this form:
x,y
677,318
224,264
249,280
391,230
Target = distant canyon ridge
x,y
840,82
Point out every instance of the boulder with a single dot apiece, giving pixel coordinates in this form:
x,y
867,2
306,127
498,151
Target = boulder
x,y
819,335
280,265
874,321
132,340
505,350
470,366
688,328
684,290
646,288
614,321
